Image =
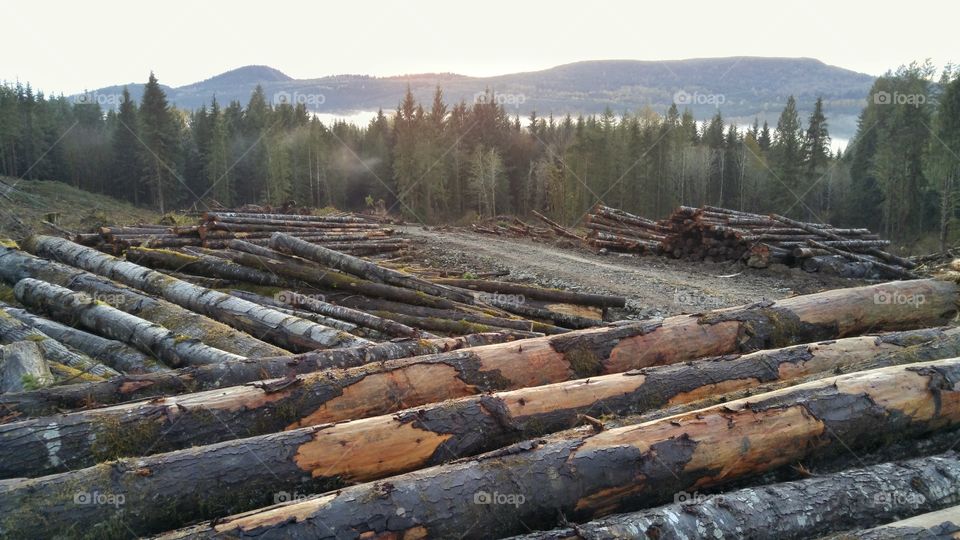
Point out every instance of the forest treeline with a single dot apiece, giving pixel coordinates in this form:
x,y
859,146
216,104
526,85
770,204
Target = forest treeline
x,y
441,162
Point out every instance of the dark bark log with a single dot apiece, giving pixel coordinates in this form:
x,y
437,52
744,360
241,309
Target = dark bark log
x,y
310,460
153,339
852,499
199,378
115,354
458,326
942,524
16,265
367,320
286,308
203,265
364,269
900,261
284,330
891,270
537,293
582,477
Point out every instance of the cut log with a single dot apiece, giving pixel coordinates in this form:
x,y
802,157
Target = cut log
x,y
364,269
203,265
537,293
891,270
285,308
115,354
12,331
596,473
852,499
289,332
309,460
941,524
22,367
559,229
16,265
900,261
367,320
153,339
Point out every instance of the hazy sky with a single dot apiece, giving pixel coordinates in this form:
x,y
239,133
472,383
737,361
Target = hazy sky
x,y
67,47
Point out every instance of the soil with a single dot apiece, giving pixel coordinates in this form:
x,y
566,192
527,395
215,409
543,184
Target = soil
x,y
654,286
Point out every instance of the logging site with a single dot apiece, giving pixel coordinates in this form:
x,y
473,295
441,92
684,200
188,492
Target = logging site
x,y
431,284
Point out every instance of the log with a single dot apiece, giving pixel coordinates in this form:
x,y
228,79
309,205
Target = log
x,y
536,293
285,308
581,477
12,331
22,367
199,378
942,524
892,270
223,216
308,460
367,320
559,229
852,499
203,265
288,332
364,269
16,265
900,261
115,354
150,338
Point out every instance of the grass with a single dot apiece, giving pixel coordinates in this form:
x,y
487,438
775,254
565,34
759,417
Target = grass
x,y
79,210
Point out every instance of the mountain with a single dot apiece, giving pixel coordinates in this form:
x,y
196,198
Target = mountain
x,y
741,87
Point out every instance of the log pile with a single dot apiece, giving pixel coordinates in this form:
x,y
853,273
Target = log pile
x,y
716,234
381,427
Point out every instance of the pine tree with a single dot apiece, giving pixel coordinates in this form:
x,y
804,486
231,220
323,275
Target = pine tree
x,y
159,135
127,153
816,157
787,161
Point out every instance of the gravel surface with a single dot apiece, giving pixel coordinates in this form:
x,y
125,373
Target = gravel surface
x,y
654,286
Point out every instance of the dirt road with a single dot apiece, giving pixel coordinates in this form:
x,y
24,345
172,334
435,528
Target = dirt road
x,y
655,286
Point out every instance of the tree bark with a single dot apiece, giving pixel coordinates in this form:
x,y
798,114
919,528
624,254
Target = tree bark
x,y
204,265
586,476
16,265
12,331
289,332
891,270
367,320
364,269
851,499
310,460
200,378
286,308
941,524
536,293
21,366
115,354
151,338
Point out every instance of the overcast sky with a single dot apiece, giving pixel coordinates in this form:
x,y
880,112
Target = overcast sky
x,y
67,47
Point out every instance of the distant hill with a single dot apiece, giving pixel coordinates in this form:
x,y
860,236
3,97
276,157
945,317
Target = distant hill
x,y
742,87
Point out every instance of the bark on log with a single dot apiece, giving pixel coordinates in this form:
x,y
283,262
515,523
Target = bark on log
x,y
566,320
214,216
906,263
203,265
22,366
115,354
559,229
153,339
852,499
364,269
309,460
582,477
286,308
892,270
537,293
941,524
200,378
367,320
289,332
16,265
12,331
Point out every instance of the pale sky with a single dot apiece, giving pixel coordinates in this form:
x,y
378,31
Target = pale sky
x,y
61,46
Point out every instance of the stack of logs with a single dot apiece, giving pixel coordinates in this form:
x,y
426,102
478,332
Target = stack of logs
x,y
514,226
474,436
720,234
349,233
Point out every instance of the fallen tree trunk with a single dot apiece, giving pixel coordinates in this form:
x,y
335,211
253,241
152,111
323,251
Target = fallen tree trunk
x,y
115,354
362,318
825,233
852,499
203,265
309,460
16,265
581,477
941,524
199,378
559,229
22,366
289,332
537,293
286,308
103,319
12,331
891,270
364,269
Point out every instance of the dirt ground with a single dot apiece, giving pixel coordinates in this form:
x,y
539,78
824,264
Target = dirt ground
x,y
654,286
